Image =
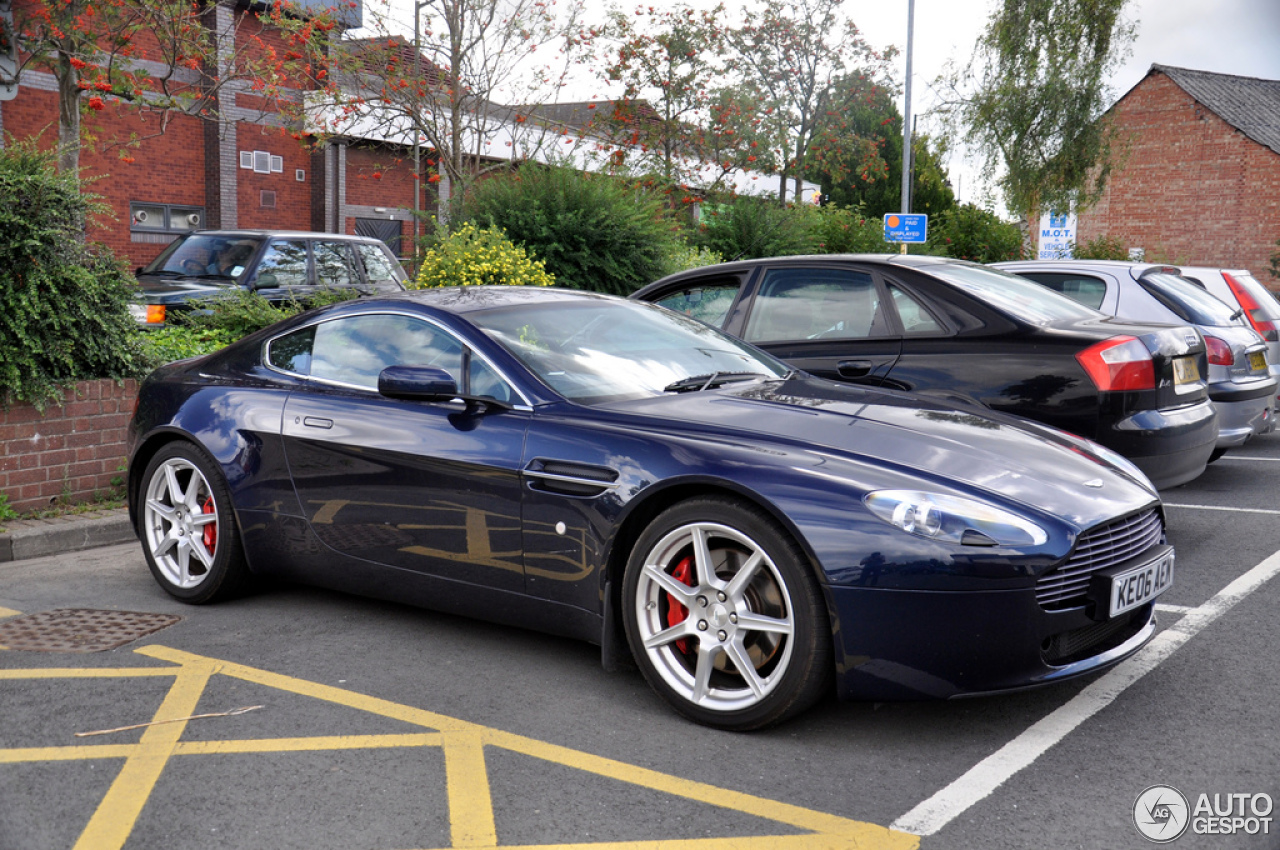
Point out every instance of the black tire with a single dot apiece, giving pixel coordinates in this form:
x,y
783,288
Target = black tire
x,y
194,558
1216,453
759,605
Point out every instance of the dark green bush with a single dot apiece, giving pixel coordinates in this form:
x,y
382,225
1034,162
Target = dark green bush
x,y
746,228
1102,248
64,306
593,231
969,232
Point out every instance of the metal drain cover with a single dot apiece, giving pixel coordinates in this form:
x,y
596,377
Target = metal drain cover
x,y
79,629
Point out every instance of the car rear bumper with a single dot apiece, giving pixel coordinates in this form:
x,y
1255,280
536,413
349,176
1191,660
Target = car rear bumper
x,y
894,644
1170,446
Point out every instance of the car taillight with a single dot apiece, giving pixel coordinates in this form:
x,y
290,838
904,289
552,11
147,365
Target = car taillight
x,y
1219,352
1252,309
155,314
1120,363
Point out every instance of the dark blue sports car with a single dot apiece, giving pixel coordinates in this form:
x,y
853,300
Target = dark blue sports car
x,y
616,472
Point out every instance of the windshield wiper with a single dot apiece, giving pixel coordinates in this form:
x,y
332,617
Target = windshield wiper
x,y
703,382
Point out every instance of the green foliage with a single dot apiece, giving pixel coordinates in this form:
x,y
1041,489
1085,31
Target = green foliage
x,y
969,232
746,228
1101,248
64,307
592,231
178,343
1275,260
849,230
685,257
6,512
472,256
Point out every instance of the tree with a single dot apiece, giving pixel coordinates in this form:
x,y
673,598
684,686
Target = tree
x,y
1038,95
157,58
442,87
857,156
793,56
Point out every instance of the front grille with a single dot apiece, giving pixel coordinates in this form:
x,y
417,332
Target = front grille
x,y
1097,549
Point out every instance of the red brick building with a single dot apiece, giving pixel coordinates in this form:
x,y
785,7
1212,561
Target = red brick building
x,y
1199,182
244,168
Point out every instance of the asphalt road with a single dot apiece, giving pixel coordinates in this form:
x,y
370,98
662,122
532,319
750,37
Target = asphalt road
x,y
382,726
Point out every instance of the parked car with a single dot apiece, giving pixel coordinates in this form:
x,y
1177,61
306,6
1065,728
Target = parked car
x,y
969,334
279,265
1241,385
595,467
1240,287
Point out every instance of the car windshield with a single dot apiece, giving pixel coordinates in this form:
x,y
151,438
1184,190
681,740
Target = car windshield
x,y
597,351
1017,296
1189,302
206,255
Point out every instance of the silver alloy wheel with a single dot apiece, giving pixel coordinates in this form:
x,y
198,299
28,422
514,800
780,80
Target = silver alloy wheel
x,y
180,523
733,643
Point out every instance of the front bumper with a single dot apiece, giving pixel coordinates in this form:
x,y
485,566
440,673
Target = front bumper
x,y
895,644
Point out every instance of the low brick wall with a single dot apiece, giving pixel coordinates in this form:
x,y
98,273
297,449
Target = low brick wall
x,y
73,449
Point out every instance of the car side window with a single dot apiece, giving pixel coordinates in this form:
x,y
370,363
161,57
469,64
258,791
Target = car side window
x,y
355,350
709,304
379,265
915,318
798,303
284,264
335,265
1089,291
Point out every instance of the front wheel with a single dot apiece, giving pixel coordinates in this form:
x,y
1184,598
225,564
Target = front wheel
x,y
187,527
724,617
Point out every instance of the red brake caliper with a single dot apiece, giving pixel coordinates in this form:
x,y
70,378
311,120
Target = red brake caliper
x,y
677,613
210,530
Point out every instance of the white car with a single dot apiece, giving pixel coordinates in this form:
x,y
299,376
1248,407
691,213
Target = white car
x,y
1242,386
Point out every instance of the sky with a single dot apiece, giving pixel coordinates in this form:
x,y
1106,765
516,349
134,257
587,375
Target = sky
x,y
1226,36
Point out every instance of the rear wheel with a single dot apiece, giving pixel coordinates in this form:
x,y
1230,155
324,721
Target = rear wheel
x,y
724,617
187,528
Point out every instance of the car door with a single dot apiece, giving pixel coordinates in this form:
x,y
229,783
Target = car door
x,y
284,271
829,320
432,487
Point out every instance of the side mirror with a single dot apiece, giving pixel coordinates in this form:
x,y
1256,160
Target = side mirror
x,y
420,383
266,280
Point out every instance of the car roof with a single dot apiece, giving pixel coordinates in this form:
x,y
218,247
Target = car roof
x,y
468,299
1135,269
286,234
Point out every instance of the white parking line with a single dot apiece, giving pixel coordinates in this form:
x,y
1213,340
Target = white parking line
x,y
1250,458
1173,609
993,771
1219,508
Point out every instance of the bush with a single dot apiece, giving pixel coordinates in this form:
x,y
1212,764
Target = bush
x,y
747,228
64,306
685,257
1102,248
471,256
968,232
593,231
849,230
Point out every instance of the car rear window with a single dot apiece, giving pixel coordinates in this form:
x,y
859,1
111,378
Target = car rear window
x,y
1188,301
1017,296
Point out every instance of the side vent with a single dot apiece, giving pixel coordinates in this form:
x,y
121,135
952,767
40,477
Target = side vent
x,y
570,479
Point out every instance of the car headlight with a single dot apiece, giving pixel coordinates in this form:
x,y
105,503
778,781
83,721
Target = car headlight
x,y
953,519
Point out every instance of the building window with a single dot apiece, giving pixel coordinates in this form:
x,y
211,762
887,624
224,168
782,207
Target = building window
x,y
262,162
169,219
268,199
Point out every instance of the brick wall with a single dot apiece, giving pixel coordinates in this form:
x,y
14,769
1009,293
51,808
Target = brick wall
x,y
73,449
1192,190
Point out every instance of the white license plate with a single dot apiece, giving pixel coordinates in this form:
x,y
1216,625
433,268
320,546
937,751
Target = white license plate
x,y
1257,361
1185,370
1140,585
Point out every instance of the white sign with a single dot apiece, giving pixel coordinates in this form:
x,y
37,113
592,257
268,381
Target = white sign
x,y
1057,236
8,55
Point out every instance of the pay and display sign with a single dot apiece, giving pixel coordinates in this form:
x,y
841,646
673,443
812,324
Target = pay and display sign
x,y
906,227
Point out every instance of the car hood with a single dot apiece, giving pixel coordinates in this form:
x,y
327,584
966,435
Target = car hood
x,y
1008,457
163,289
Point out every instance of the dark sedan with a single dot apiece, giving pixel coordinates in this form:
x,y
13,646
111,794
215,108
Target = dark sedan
x,y
969,334
616,472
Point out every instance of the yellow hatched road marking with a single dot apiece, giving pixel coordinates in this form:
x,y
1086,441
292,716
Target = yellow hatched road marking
x,y
470,802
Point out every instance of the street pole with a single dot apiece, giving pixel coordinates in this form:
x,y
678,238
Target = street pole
x,y
906,119
417,156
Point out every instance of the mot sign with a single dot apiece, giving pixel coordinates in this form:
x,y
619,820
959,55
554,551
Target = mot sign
x,y
906,227
1057,236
